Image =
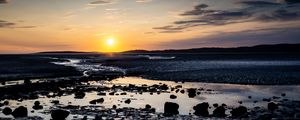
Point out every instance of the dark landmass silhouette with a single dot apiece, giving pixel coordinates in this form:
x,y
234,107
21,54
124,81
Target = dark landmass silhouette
x,y
275,48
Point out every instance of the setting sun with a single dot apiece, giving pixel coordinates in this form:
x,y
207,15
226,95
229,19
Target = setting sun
x,y
110,42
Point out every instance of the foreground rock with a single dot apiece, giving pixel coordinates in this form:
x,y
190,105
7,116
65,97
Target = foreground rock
x,y
59,114
191,92
219,112
240,112
37,106
128,101
101,100
79,95
20,112
201,109
171,109
7,111
272,106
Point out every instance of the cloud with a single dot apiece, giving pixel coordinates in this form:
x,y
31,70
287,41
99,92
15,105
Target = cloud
x,y
248,11
101,2
3,1
258,3
280,15
241,38
199,10
143,1
6,24
292,1
33,44
178,28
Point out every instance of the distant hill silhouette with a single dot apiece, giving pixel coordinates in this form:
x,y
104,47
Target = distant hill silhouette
x,y
66,52
277,48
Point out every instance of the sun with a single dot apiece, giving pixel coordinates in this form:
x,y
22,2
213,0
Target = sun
x,y
110,42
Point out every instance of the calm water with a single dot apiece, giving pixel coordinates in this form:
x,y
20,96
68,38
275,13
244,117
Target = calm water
x,y
216,68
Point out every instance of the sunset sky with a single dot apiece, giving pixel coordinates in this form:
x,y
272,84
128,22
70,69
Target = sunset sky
x,y
86,25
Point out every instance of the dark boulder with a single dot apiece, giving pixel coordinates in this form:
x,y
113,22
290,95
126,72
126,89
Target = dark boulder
x,y
128,101
59,114
272,106
114,107
171,109
201,109
27,81
173,96
101,94
79,95
182,91
6,103
55,102
191,92
37,106
148,106
239,112
216,105
7,111
101,100
20,112
219,112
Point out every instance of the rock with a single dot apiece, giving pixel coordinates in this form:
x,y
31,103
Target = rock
x,y
37,106
224,105
275,97
266,99
239,112
101,100
27,81
171,109
111,93
283,94
59,114
114,107
178,86
128,101
216,105
6,103
191,92
201,109
123,93
272,106
7,111
219,112
241,102
173,96
182,91
55,102
101,94
84,118
20,112
79,95
148,106
164,87
249,97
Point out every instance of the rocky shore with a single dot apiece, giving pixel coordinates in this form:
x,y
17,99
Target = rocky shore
x,y
83,99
